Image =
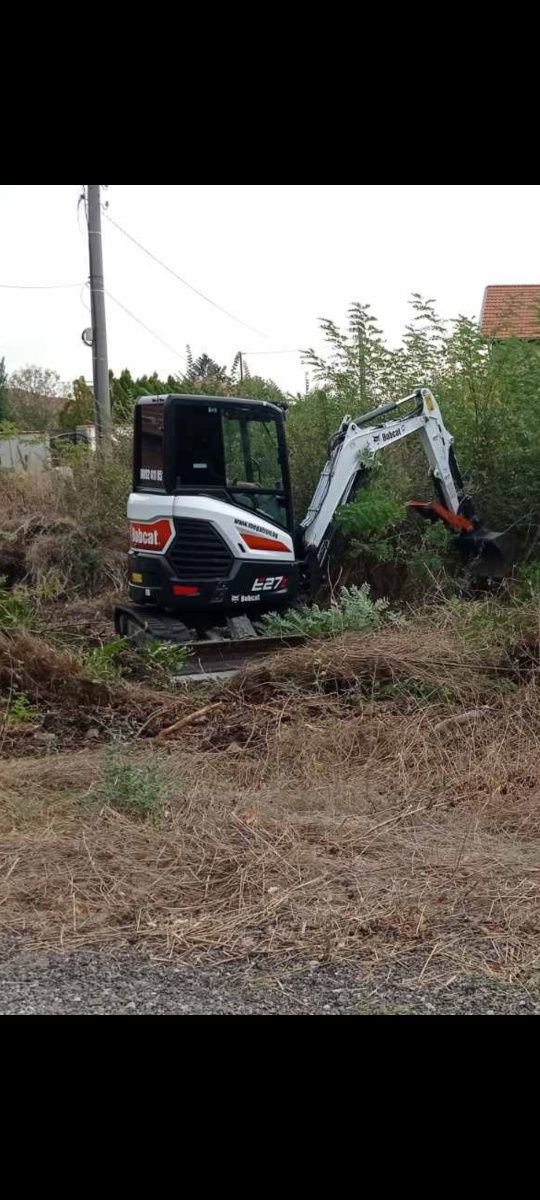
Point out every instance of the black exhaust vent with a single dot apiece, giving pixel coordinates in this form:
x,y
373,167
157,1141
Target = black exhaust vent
x,y
198,552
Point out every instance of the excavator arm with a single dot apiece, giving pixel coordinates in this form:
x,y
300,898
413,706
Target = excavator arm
x,y
350,452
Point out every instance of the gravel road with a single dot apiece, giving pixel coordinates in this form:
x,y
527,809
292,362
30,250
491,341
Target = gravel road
x,y
130,984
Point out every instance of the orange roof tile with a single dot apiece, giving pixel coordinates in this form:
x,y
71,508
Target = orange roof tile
x,y
511,310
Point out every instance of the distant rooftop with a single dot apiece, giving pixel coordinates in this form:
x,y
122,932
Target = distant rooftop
x,y
511,310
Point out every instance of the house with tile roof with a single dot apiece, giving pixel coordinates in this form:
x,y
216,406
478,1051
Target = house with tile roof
x,y
510,311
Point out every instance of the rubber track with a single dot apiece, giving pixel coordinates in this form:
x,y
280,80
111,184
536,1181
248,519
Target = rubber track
x,y
207,655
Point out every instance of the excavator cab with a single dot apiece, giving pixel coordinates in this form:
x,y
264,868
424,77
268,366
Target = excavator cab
x,y
211,516
231,449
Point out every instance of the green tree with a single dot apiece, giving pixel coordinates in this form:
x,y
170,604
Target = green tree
x,y
124,390
489,396
122,393
79,409
206,377
358,361
311,420
150,385
255,387
36,398
205,367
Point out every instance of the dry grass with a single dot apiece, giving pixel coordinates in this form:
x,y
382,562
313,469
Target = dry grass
x,y
429,657
299,822
70,532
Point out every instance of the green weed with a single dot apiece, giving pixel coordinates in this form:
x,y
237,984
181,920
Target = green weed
x,y
20,710
137,791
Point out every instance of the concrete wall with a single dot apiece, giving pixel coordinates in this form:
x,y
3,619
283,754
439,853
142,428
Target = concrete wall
x,y
20,453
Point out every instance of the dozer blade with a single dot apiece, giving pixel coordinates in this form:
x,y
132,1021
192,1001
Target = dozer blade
x,y
489,555
211,651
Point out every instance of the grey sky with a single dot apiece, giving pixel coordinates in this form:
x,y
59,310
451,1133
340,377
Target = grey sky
x,y
277,256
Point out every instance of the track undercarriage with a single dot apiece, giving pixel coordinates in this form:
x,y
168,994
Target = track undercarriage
x,y
212,648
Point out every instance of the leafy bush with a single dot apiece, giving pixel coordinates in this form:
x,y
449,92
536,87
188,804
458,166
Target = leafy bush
x,y
371,523
430,557
311,421
370,515
35,397
353,612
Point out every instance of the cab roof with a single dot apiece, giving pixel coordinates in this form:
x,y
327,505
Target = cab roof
x,y
221,401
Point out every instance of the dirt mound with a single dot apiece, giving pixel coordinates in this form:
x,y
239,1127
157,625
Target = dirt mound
x,y
28,664
68,699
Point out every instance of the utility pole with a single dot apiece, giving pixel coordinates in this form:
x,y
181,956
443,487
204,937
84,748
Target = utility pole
x,y
100,362
241,366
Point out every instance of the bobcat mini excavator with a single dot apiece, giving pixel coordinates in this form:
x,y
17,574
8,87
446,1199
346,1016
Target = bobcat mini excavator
x,y
213,539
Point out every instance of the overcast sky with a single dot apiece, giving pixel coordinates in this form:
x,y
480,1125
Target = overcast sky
x,y
276,256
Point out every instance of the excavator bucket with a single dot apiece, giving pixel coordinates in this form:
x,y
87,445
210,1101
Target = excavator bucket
x,y
489,555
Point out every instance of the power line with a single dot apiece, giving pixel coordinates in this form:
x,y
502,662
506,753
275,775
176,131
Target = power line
x,y
147,327
38,287
184,281
252,352
82,200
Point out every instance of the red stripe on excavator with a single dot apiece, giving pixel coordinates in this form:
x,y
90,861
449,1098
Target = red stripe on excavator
x,y
454,519
255,542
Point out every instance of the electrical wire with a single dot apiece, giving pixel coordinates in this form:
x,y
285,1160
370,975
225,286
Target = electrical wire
x,y
147,327
82,200
38,287
252,352
131,238
185,282
86,306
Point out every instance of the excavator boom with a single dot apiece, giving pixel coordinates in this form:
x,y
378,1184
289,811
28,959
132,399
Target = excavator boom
x,y
352,450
